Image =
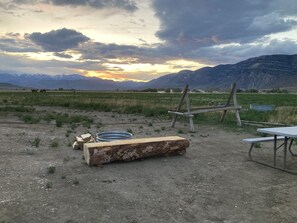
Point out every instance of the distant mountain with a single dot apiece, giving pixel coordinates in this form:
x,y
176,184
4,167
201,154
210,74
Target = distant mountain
x,y
264,72
7,86
73,81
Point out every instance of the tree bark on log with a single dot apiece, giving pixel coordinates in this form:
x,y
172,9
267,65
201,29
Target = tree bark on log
x,y
132,149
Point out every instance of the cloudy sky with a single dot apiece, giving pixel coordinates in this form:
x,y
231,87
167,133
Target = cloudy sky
x,y
140,39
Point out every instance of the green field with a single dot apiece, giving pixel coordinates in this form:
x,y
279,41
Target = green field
x,y
156,104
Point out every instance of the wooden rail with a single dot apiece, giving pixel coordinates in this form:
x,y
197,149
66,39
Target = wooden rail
x,y
190,112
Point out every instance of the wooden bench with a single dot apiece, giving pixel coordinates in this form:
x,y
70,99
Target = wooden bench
x,y
131,149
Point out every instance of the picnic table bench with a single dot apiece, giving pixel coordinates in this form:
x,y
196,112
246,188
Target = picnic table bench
x,y
284,134
254,141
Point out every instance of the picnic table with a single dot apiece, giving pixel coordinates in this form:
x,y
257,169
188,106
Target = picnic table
x,y
285,134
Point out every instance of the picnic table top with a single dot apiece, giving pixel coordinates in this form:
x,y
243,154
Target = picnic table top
x,y
281,131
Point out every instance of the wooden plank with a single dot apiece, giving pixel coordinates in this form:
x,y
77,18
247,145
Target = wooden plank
x,y
208,107
237,111
180,113
192,129
132,149
233,90
185,91
216,109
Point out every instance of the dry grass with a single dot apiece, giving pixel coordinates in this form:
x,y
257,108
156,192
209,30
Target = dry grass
x,y
285,115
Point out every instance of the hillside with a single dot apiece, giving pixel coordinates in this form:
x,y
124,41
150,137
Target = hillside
x,y
7,86
264,72
73,81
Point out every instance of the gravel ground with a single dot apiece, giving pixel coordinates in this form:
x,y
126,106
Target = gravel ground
x,y
213,182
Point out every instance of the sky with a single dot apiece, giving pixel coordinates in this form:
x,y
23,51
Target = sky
x,y
140,39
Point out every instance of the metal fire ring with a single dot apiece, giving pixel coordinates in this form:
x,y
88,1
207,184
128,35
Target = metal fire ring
x,y
112,135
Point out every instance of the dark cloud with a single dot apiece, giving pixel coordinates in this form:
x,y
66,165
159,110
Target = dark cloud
x,y
24,64
148,54
123,4
58,40
236,53
96,50
209,22
12,43
128,5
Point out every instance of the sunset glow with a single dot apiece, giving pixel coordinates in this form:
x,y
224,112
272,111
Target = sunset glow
x,y
140,40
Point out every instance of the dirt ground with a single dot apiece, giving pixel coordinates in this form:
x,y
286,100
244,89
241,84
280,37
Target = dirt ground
x,y
213,182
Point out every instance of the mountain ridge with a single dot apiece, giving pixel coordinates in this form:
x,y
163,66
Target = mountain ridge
x,y
263,72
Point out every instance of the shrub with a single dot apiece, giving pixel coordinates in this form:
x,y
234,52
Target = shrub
x,y
51,169
36,142
75,181
180,131
54,144
30,119
49,185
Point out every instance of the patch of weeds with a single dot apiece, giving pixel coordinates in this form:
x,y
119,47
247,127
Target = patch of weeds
x,y
29,152
36,142
75,181
134,119
150,124
54,144
257,145
99,125
30,119
69,144
180,131
59,123
66,159
141,127
157,130
63,176
130,130
17,108
83,157
73,126
86,124
48,117
163,128
67,134
49,185
51,169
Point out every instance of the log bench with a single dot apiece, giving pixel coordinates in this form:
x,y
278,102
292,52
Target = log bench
x,y
127,150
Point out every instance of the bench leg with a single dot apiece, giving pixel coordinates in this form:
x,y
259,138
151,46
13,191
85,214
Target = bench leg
x,y
274,150
293,154
192,129
250,151
285,152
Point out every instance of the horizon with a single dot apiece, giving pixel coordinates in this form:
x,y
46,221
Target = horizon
x,y
140,40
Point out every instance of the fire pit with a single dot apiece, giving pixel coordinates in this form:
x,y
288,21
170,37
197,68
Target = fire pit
x,y
112,135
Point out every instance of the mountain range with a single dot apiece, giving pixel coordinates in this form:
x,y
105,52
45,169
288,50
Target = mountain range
x,y
264,72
